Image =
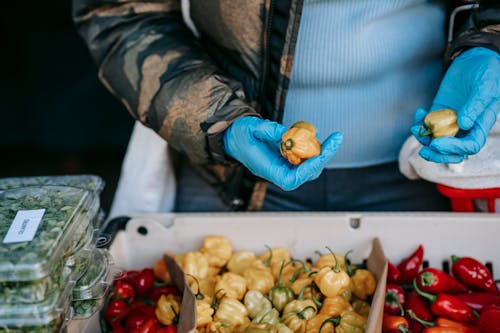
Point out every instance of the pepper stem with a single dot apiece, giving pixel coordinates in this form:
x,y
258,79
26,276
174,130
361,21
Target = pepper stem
x,y
391,299
336,268
427,279
454,258
421,321
350,271
334,320
429,296
199,295
267,262
300,314
422,131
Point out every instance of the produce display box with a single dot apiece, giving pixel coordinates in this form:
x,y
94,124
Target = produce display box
x,y
140,240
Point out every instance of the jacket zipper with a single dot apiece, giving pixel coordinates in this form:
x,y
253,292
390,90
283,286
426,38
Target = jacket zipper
x,y
266,60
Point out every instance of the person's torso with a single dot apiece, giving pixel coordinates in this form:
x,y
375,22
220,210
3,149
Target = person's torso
x,y
363,67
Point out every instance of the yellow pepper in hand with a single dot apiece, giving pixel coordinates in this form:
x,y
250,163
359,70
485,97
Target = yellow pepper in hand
x,y
440,123
300,143
167,309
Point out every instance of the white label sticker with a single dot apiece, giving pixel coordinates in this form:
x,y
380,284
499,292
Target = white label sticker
x,y
24,226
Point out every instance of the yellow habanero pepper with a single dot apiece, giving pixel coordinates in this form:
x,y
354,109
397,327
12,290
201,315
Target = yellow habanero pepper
x,y
320,321
440,123
297,313
334,306
361,307
218,250
332,281
233,285
232,311
363,283
204,313
167,309
300,143
330,259
256,303
259,277
194,263
240,261
274,259
350,322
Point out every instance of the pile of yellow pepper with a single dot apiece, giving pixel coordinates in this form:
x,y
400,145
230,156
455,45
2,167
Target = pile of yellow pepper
x,y
240,291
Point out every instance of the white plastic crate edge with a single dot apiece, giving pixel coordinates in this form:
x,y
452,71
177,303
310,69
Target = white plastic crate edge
x,y
442,234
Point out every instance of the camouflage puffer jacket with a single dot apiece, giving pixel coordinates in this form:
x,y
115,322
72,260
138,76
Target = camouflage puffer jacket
x,y
189,88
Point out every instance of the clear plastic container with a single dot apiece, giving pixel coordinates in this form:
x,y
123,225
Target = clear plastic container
x,y
48,316
90,290
91,183
33,265
87,182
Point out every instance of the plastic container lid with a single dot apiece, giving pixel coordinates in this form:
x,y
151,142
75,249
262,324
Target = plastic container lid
x,y
38,226
46,316
93,283
87,182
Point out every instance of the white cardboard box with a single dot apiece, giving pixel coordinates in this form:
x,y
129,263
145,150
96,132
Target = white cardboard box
x,y
146,237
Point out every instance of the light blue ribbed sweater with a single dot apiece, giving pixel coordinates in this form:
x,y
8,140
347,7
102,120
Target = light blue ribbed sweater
x,y
363,67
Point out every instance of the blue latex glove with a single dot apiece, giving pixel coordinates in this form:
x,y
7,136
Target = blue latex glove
x,y
471,86
255,143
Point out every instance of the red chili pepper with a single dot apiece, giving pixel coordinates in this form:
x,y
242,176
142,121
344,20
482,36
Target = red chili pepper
x,y
420,307
168,329
434,280
410,266
138,315
149,326
118,329
115,311
128,276
394,299
474,274
143,282
156,292
447,306
396,323
393,273
123,290
489,320
444,325
479,299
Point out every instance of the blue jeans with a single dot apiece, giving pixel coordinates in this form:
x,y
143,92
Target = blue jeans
x,y
375,188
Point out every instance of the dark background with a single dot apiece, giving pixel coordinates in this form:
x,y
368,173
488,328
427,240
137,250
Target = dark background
x,y
56,117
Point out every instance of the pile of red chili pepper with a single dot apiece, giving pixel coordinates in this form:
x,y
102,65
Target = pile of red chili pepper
x,y
431,300
141,302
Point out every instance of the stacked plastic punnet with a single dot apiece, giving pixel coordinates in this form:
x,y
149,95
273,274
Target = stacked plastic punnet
x,y
51,267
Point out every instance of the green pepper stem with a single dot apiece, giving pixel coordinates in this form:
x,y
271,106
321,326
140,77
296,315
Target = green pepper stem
x,y
392,299
422,131
199,295
421,321
429,296
348,268
454,258
300,314
267,262
334,320
336,268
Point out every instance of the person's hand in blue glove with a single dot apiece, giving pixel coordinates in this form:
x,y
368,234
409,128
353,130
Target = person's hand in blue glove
x,y
255,143
471,87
